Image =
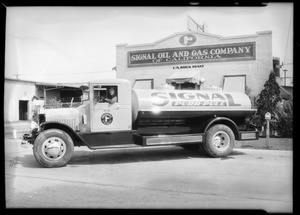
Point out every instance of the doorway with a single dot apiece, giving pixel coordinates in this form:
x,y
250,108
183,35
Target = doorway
x,y
23,110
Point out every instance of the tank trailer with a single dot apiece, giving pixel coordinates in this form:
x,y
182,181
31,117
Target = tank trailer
x,y
209,121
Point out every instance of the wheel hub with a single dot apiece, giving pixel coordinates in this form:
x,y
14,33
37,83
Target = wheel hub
x,y
54,148
221,140
217,141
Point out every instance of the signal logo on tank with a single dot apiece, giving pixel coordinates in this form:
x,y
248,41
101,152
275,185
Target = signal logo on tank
x,y
192,99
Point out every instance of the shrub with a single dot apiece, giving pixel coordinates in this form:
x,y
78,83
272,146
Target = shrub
x,y
284,118
267,100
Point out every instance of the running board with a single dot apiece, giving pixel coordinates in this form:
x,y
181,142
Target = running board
x,y
168,139
116,146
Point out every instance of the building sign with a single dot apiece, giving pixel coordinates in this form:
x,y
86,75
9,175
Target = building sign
x,y
187,40
188,67
195,54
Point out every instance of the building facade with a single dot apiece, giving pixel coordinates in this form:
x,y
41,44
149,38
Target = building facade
x,y
22,97
18,98
193,60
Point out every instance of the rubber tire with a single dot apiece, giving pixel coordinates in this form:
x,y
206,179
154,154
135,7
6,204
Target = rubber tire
x,y
208,147
191,147
42,137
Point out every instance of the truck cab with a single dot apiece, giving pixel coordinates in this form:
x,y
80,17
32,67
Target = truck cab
x,y
105,116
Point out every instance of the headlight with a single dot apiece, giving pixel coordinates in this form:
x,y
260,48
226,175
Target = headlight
x,y
33,125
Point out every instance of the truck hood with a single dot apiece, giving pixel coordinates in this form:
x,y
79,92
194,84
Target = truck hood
x,y
69,116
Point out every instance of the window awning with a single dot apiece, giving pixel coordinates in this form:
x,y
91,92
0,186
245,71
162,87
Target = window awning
x,y
181,77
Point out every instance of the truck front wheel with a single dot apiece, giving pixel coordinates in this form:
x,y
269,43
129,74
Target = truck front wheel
x,y
53,148
219,141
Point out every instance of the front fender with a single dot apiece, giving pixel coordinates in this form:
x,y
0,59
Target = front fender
x,y
78,141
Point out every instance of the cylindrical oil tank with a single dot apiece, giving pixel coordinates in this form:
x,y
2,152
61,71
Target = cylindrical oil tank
x,y
187,103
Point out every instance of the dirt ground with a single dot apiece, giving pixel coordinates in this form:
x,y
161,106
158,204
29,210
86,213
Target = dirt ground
x,y
152,178
275,144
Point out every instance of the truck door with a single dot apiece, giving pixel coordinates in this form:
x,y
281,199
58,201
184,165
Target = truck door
x,y
105,109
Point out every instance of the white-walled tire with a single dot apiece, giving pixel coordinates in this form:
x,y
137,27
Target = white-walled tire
x,y
53,148
219,141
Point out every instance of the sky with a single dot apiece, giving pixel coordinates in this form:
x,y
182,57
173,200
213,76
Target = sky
x,y
78,44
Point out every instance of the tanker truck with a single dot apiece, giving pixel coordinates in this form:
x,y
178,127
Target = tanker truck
x,y
207,121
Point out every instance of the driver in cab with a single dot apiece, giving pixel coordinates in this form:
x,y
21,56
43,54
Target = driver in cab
x,y
111,98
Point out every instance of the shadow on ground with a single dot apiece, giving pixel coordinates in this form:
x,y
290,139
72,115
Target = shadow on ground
x,y
27,161
119,156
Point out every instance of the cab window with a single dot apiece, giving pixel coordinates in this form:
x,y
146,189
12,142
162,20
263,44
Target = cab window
x,y
106,94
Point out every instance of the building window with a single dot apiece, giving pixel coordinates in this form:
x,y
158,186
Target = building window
x,y
23,110
143,84
276,66
235,83
105,94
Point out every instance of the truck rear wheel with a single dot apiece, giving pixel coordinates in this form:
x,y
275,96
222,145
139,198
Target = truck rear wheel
x,y
53,148
219,141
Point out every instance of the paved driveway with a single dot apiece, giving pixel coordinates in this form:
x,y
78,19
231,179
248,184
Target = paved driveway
x,y
157,177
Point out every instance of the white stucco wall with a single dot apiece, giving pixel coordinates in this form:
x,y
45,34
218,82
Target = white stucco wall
x,y
13,92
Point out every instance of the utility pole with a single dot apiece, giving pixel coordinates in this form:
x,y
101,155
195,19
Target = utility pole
x,y
268,118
